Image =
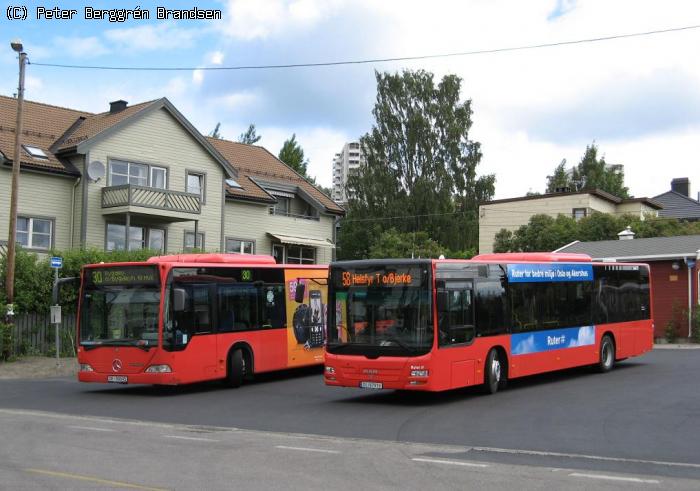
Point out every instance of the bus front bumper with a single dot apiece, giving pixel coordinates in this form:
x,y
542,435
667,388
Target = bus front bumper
x,y
397,373
130,378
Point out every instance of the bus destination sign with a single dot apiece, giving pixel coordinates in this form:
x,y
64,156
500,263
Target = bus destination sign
x,y
378,278
122,275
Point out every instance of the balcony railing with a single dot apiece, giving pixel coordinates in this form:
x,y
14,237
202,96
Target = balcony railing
x,y
281,213
159,199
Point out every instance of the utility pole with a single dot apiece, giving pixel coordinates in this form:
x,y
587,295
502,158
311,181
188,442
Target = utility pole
x,y
12,242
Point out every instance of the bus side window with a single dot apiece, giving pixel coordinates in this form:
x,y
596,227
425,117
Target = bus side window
x,y
456,322
273,306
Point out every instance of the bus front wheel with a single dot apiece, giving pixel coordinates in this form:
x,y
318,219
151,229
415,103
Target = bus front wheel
x,y
236,368
494,375
606,360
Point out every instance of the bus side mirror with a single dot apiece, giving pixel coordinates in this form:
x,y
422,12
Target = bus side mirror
x,y
441,300
299,292
179,299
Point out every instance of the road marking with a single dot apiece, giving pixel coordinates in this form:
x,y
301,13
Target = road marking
x,y
616,478
306,449
96,480
192,438
91,428
582,456
449,462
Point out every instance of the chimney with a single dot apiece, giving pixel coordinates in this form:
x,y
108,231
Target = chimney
x,y
117,106
681,185
626,234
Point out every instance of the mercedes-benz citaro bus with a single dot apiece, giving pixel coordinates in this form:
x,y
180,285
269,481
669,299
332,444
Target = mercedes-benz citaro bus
x,y
435,325
194,317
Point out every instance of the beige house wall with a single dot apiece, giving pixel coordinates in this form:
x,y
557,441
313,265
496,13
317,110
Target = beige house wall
x,y
513,214
159,139
40,195
636,209
254,222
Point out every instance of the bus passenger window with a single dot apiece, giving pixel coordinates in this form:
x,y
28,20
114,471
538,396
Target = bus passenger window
x,y
238,307
456,323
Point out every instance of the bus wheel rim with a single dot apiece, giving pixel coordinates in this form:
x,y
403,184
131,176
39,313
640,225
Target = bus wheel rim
x,y
496,370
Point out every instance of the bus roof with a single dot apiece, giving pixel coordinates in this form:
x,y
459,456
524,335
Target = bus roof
x,y
535,257
220,258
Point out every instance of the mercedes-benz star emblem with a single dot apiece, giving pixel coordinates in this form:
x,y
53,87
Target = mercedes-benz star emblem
x,y
116,365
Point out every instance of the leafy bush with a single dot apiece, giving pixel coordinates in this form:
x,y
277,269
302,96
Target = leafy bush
x,y
5,341
696,325
34,276
671,331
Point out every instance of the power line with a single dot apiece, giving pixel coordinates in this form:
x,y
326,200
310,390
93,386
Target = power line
x,y
376,60
379,219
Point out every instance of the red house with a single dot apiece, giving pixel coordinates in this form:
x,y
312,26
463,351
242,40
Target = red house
x,y
673,262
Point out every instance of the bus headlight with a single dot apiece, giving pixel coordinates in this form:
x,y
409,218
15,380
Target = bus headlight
x,y
159,369
84,367
419,373
330,370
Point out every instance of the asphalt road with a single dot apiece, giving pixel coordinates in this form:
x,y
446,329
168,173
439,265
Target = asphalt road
x,y
640,420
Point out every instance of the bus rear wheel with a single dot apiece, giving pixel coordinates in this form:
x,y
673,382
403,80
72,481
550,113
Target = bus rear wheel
x,y
494,374
606,359
236,368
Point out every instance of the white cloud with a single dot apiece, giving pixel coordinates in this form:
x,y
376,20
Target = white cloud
x,y
255,19
238,100
197,77
81,47
151,37
525,346
216,57
34,83
585,337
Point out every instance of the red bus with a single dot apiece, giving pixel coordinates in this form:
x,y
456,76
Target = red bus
x,y
195,317
435,325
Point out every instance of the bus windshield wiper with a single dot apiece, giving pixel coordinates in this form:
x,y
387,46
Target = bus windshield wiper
x,y
394,339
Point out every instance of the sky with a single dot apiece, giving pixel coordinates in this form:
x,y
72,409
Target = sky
x,y
638,98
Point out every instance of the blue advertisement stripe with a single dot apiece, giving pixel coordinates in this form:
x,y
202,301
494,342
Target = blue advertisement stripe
x,y
532,273
553,339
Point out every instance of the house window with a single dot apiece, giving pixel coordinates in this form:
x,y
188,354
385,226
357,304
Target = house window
x,y
127,173
35,152
579,213
282,206
138,237
240,246
159,177
189,241
300,255
34,233
195,184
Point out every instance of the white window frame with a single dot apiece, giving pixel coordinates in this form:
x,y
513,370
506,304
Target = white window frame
x,y
242,243
202,183
300,258
35,152
165,176
188,233
30,232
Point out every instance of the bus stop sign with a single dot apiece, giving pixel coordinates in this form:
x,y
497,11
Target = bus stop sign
x,y
57,262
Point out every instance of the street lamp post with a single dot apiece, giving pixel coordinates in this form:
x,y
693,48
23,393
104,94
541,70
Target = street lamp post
x,y
12,242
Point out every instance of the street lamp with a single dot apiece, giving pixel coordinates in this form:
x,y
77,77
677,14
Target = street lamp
x,y
16,45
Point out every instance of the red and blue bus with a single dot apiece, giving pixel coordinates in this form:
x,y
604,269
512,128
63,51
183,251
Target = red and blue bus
x,y
436,325
194,317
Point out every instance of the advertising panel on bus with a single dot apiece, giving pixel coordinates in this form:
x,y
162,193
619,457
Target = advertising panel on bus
x,y
306,321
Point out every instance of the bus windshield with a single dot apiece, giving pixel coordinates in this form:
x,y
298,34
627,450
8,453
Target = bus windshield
x,y
120,307
380,311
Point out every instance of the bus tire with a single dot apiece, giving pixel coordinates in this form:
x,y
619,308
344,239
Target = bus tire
x,y
493,373
236,368
606,358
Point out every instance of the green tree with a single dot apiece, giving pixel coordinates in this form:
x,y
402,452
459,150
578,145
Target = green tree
x,y
594,173
215,132
392,243
249,137
292,154
420,164
545,233
559,178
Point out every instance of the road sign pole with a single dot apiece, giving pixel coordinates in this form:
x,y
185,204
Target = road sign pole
x,y
56,324
56,264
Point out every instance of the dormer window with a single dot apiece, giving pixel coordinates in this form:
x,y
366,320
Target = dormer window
x,y
35,152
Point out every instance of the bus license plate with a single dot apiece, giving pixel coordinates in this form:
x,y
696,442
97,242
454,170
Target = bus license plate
x,y
117,379
371,385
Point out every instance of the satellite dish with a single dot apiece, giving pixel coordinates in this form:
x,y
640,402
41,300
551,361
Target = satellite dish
x,y
96,170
